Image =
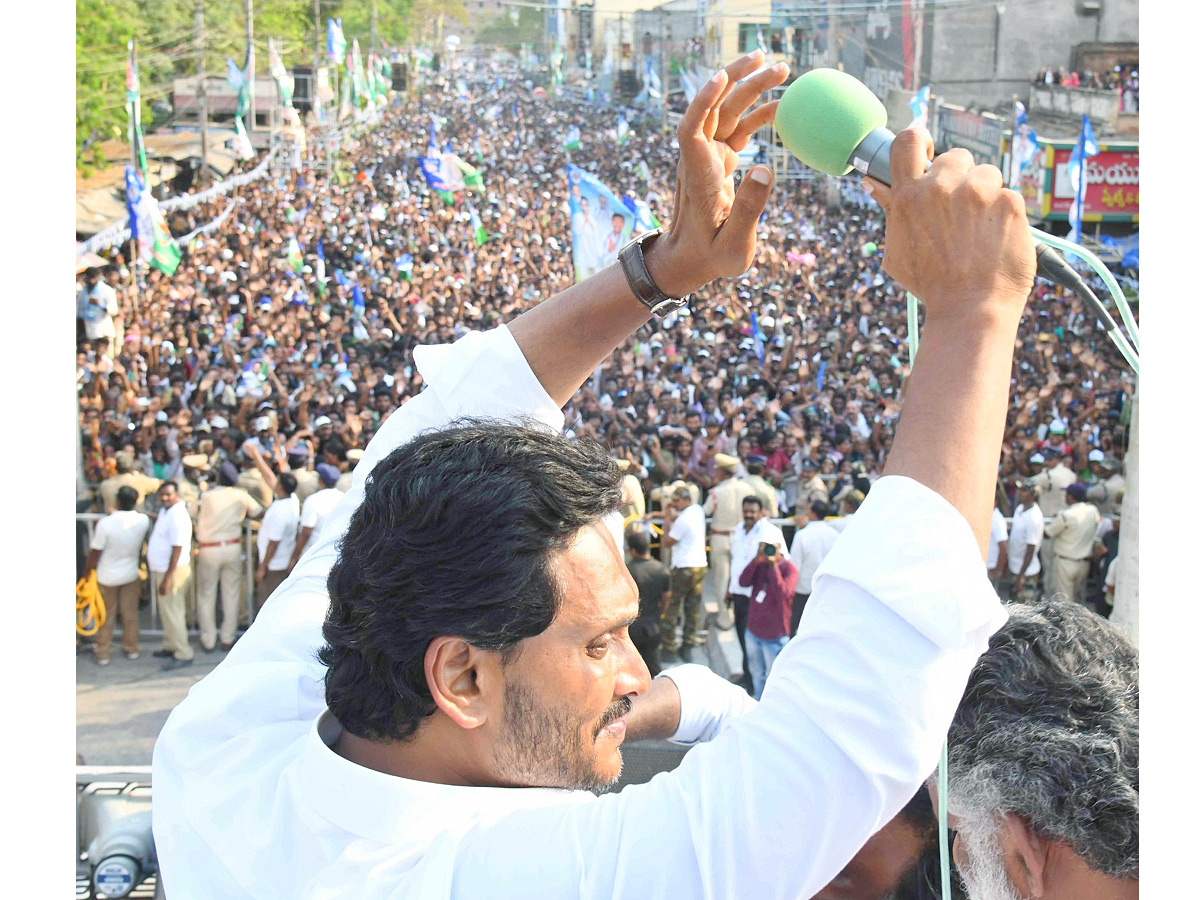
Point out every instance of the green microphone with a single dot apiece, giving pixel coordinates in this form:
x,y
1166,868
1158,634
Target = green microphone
x,y
833,123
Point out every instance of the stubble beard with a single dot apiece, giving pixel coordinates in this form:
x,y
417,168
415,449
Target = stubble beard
x,y
984,875
544,745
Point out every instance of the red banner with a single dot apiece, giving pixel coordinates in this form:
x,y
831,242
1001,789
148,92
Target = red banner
x,y
1112,184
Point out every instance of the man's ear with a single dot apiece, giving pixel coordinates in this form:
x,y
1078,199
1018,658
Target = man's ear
x,y
459,678
1030,853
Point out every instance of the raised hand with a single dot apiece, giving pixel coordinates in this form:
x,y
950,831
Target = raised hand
x,y
713,227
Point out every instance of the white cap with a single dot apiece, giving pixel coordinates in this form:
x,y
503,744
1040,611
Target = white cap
x,y
1096,456
322,420
262,423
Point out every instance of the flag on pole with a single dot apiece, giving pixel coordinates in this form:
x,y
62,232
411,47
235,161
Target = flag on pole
x,y
919,105
357,300
335,42
404,265
155,243
133,105
242,148
287,84
1085,148
1024,146
572,140
652,81
480,232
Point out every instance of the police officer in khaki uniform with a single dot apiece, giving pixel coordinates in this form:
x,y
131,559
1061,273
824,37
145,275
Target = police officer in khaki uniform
x,y
813,487
755,465
192,484
126,475
724,508
307,481
1110,487
1053,484
223,509
1074,531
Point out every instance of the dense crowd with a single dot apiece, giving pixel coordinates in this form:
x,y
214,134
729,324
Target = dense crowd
x,y
246,364
1123,79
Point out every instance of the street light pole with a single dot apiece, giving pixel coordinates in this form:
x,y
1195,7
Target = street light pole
x,y
202,76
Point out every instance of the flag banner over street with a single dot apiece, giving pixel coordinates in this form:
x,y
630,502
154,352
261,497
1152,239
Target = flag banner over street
x,y
601,224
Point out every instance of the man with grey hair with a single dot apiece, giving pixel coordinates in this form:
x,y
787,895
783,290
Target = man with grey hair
x,y
1043,760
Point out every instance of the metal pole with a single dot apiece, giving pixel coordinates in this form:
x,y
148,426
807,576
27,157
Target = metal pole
x,y
374,21
662,50
834,56
316,55
202,75
1126,596
249,7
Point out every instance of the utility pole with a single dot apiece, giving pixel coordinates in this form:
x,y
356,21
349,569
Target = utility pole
x,y
316,57
202,76
249,7
374,23
834,55
1126,596
662,52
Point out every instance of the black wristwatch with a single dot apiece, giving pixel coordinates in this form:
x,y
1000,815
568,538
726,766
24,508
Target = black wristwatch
x,y
633,264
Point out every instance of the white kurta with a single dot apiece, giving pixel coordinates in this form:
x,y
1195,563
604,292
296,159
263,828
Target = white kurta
x,y
250,802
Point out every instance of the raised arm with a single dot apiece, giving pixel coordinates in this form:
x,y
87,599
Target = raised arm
x,y
960,242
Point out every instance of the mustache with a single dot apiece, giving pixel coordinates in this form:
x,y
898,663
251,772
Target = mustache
x,y
618,710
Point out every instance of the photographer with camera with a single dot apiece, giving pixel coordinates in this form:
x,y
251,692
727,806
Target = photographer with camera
x,y
772,578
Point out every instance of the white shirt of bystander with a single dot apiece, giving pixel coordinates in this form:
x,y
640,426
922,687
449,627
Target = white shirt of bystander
x,y
281,523
120,536
688,530
172,529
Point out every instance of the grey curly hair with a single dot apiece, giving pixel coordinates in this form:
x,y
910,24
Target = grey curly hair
x,y
1048,730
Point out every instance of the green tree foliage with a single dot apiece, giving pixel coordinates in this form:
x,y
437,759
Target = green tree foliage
x,y
501,31
167,47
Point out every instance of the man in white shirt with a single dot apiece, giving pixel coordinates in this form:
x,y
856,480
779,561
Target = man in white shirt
x,y
997,553
277,538
754,529
169,558
98,307
467,648
114,556
1024,541
683,534
810,545
316,509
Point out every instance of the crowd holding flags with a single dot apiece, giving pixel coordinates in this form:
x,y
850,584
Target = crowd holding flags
x,y
1085,148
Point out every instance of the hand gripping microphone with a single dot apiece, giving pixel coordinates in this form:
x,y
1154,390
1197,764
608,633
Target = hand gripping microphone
x,y
833,123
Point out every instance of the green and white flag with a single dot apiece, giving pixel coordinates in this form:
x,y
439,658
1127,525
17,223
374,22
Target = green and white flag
x,y
335,42
472,178
572,140
622,130
480,232
287,84
133,105
294,257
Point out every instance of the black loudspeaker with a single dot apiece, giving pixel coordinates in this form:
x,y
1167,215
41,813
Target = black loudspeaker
x,y
628,85
399,76
302,93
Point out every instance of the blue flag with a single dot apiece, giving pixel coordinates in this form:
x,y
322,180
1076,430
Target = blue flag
x,y
358,300
919,105
1085,148
758,337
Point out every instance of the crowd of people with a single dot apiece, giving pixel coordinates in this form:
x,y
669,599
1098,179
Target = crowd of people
x,y
1122,78
246,364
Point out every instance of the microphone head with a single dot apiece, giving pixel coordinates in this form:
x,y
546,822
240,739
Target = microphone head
x,y
824,115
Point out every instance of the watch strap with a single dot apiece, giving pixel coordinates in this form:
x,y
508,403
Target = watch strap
x,y
633,264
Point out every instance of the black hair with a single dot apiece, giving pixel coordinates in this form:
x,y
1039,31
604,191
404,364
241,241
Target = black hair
x,y
127,498
454,536
753,498
819,509
288,481
638,541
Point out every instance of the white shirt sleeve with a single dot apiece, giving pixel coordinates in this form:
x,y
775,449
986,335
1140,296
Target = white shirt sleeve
x,y
850,725
707,703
